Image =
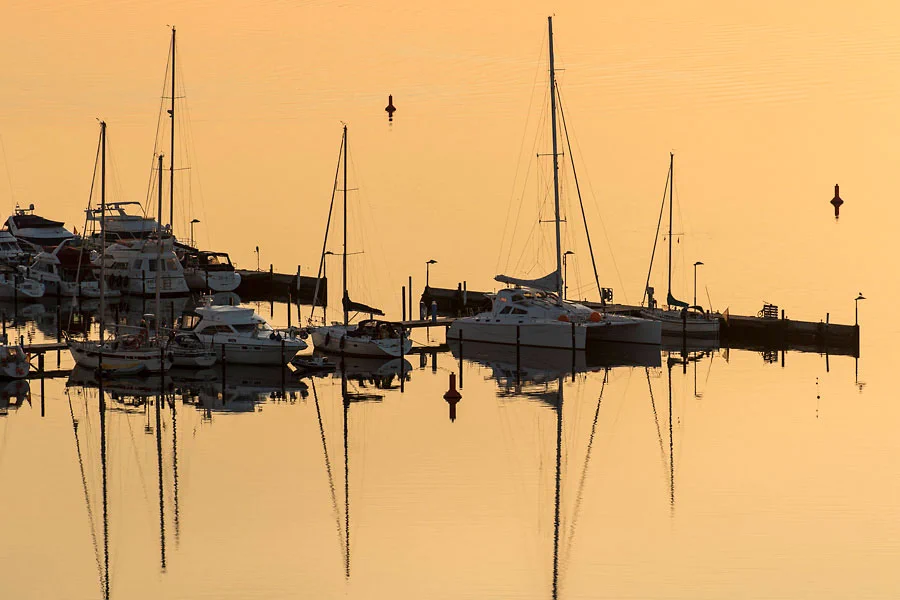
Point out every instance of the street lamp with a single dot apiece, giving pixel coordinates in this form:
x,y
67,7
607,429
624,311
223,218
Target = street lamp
x,y
192,230
696,264
428,264
856,308
565,277
257,258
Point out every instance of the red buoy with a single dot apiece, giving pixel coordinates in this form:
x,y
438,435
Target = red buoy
x,y
836,201
452,397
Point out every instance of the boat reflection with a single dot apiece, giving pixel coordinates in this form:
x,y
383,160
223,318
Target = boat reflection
x,y
380,373
13,394
237,388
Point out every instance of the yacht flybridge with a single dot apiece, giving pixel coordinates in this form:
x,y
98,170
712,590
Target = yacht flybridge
x,y
533,313
34,229
125,221
239,335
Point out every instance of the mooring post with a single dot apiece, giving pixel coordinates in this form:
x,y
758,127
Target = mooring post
x,y
283,366
403,300
290,299
460,359
402,360
58,325
410,298
41,369
434,311
518,355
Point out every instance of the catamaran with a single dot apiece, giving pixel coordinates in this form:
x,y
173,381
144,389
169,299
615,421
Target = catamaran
x,y
678,318
534,313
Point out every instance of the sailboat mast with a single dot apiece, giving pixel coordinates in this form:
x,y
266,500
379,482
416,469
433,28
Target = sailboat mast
x,y
671,187
102,226
345,299
172,145
159,241
559,284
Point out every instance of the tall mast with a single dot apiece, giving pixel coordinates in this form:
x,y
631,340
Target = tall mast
x,y
559,284
346,298
172,145
102,227
159,242
671,187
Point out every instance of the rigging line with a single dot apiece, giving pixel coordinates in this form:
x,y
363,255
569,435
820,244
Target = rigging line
x,y
334,504
87,500
706,287
537,138
148,198
656,238
587,231
518,162
605,233
587,459
325,241
84,229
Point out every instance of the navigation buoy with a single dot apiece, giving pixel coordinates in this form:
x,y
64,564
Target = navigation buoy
x,y
390,108
836,201
452,397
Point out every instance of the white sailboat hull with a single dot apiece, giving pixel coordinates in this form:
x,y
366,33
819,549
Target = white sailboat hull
x,y
546,333
87,354
252,352
334,339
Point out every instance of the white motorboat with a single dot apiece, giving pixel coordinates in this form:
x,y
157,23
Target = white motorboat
x,y
34,229
369,338
678,318
13,284
13,362
210,271
132,267
239,335
534,313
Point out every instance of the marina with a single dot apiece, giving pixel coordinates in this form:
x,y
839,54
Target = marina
x,y
509,301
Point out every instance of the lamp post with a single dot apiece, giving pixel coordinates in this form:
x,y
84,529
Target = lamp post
x,y
257,258
192,230
856,308
696,264
428,264
565,276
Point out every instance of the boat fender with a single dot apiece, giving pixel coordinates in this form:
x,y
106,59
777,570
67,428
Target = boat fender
x,y
595,317
327,338
343,341
303,334
564,318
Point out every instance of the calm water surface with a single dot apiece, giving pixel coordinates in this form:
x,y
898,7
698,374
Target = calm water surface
x,y
764,477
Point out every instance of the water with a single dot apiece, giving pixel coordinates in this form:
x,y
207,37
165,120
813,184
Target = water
x,y
776,481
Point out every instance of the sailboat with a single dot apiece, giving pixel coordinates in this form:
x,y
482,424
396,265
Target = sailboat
x,y
126,354
679,318
534,313
370,337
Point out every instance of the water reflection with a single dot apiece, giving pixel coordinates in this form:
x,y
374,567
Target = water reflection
x,y
13,394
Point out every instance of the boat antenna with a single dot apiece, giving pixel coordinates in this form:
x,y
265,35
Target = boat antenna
x,y
345,300
172,144
559,290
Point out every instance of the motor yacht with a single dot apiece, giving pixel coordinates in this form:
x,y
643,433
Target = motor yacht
x,y
239,335
131,267
213,271
10,250
34,229
16,285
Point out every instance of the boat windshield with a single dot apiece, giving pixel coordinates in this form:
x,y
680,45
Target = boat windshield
x,y
189,321
257,328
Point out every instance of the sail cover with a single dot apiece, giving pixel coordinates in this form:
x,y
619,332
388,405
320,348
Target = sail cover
x,y
548,283
672,301
351,306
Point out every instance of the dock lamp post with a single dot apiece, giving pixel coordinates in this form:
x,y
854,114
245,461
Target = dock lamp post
x,y
192,230
856,308
696,264
565,276
257,258
428,264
